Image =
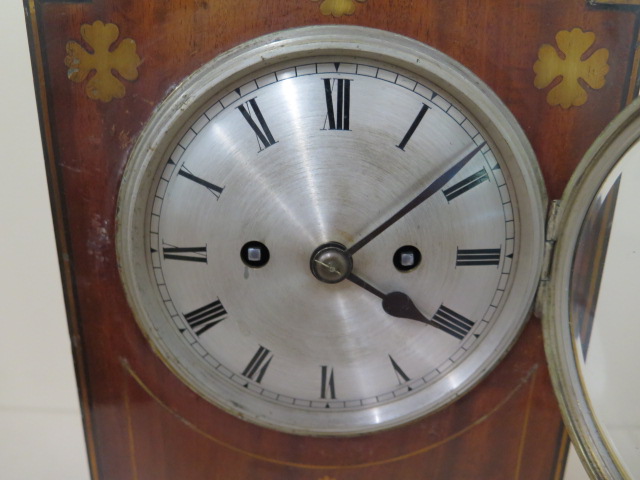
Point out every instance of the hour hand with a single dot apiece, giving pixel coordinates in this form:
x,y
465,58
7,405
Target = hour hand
x,y
330,263
396,304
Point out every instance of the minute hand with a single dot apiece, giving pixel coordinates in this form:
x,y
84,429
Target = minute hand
x,y
436,185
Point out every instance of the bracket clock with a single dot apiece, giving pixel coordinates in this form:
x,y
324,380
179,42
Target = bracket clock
x,y
303,239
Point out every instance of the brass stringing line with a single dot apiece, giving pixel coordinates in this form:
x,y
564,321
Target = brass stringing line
x,y
132,445
530,374
526,424
562,456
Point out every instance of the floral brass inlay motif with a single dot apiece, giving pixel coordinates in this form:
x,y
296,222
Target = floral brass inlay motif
x,y
569,64
337,8
327,478
124,60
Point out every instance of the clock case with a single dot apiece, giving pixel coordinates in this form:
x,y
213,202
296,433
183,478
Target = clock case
x,y
134,410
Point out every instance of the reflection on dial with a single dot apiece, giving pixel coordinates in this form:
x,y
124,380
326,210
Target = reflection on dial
x,y
322,152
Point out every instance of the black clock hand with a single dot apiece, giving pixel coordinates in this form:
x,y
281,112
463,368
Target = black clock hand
x,y
396,304
436,185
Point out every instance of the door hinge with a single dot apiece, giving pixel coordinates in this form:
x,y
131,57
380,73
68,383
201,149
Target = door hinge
x,y
551,235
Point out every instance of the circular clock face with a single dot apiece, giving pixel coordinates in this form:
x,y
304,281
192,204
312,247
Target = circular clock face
x,y
331,230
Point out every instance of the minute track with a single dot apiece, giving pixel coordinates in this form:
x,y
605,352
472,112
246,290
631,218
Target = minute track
x,y
395,303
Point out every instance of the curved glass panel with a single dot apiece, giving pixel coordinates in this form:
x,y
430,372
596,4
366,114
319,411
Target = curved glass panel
x,y
605,287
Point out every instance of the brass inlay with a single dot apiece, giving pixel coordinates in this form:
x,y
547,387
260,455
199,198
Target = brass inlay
x,y
525,427
132,445
124,60
338,8
563,451
569,65
528,379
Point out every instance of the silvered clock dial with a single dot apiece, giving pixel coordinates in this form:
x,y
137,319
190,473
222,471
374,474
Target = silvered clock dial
x,y
331,230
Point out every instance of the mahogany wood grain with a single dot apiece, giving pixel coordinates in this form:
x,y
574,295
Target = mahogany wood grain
x,y
141,421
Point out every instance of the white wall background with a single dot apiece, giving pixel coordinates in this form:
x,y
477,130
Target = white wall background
x,y
40,427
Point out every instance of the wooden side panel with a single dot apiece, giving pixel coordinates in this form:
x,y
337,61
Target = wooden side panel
x,y
142,423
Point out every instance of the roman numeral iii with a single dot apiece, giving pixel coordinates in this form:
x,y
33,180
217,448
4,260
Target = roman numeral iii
x,y
202,319
479,256
248,110
338,115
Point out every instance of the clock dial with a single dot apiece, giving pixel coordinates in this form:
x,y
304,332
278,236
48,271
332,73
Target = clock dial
x,y
331,242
